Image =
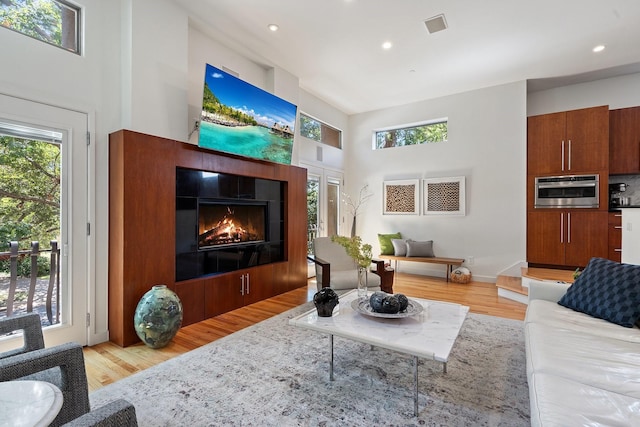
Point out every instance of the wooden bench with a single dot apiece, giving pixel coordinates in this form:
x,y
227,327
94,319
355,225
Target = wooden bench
x,y
449,262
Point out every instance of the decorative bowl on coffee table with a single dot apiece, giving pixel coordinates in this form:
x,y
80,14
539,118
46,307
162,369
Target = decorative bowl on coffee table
x,y
361,305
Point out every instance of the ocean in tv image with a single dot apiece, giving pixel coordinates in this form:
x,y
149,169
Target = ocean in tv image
x,y
243,119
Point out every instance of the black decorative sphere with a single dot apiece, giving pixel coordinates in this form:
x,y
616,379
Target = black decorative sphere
x,y
375,301
325,300
390,305
403,300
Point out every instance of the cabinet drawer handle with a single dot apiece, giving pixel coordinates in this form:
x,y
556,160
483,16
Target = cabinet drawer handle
x,y
569,228
242,285
561,228
617,250
247,283
618,226
618,215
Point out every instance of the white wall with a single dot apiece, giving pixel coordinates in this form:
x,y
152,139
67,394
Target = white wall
x,y
487,144
618,92
157,79
316,153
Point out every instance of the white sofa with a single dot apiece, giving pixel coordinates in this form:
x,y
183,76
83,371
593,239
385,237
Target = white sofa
x,y
582,371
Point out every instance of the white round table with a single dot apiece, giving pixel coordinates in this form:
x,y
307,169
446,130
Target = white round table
x,y
29,403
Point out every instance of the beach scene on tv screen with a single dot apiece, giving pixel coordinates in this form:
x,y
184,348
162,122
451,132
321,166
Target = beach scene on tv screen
x,y
243,119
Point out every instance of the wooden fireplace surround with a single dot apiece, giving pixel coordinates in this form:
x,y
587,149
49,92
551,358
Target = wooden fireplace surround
x,y
142,231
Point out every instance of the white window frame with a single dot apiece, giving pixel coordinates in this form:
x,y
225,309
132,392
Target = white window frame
x,y
375,132
322,123
78,28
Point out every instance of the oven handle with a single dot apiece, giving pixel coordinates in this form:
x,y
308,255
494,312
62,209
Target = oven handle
x,y
566,184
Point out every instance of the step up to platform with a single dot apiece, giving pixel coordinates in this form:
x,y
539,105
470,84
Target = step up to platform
x,y
547,275
517,288
510,287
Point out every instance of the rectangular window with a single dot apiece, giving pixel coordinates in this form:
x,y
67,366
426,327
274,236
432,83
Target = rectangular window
x,y
56,22
319,131
423,133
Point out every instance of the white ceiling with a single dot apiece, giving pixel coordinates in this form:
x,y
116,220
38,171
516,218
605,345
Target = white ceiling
x,y
334,46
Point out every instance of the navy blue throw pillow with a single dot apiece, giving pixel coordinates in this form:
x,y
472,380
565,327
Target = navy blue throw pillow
x,y
606,290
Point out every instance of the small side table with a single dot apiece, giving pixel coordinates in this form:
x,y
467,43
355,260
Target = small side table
x,y
386,275
29,403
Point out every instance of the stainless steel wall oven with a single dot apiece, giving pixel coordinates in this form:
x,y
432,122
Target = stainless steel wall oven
x,y
567,191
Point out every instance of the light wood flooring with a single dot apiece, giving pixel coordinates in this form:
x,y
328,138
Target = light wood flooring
x,y
107,362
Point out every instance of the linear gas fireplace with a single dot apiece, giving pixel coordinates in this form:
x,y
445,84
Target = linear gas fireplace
x,y
226,222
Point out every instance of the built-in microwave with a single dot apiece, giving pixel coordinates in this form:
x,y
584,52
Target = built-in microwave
x,y
567,191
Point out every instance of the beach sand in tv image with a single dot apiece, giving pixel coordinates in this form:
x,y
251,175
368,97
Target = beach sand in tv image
x,y
243,119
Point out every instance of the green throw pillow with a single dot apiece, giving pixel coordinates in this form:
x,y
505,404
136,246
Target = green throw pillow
x,y
386,247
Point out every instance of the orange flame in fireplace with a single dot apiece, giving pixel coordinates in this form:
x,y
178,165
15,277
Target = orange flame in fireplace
x,y
227,230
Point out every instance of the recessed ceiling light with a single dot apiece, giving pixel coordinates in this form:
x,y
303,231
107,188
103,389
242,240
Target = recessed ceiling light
x,y
273,27
387,45
598,48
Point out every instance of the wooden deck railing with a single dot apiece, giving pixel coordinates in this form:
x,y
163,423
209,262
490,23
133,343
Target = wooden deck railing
x,y
312,233
54,277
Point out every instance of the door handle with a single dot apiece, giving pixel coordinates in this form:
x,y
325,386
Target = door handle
x,y
561,228
562,156
247,283
569,157
242,285
569,227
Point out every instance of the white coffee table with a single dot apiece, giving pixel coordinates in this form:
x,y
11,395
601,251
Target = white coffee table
x,y
29,403
429,335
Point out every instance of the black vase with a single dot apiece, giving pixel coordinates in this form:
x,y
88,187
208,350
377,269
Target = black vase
x,y
325,300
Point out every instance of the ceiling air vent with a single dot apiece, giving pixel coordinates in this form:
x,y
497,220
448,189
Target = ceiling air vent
x,y
435,24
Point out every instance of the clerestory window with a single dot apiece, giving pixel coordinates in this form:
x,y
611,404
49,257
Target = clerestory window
x,y
415,134
55,22
319,131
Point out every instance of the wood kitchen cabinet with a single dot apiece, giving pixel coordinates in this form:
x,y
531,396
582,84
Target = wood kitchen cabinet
x,y
624,141
615,236
569,142
566,237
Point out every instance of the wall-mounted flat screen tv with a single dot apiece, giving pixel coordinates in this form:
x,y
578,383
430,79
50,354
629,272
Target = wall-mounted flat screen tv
x,y
242,119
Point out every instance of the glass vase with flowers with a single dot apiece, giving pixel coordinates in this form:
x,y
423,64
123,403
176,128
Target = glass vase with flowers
x,y
361,254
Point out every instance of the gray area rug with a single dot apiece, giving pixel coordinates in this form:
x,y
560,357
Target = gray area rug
x,y
273,374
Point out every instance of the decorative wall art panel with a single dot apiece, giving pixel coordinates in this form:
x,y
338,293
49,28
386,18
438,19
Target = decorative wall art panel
x,y
401,197
444,196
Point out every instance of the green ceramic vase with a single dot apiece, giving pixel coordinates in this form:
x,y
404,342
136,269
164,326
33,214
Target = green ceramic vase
x,y
158,316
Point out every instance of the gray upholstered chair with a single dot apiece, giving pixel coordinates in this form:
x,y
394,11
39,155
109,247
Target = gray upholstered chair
x,y
31,328
337,270
61,365
118,413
